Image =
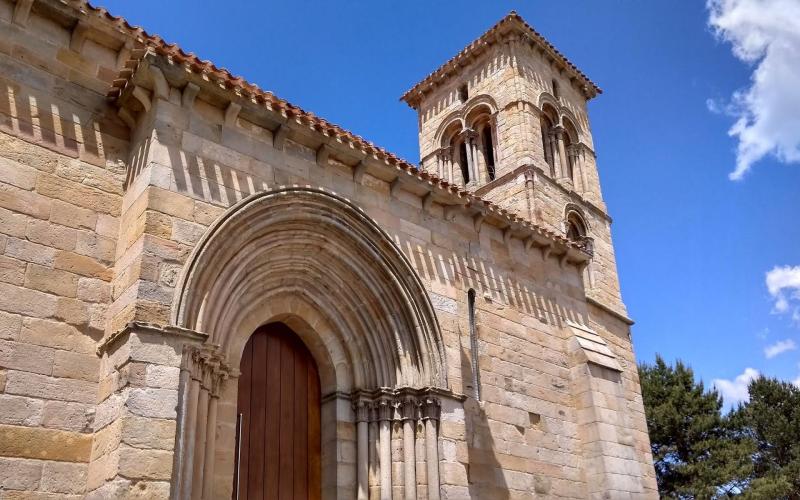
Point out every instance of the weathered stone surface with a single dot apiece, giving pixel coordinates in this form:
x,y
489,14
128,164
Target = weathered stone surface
x,y
12,270
44,444
76,365
52,281
149,433
83,265
154,403
68,416
55,334
26,357
145,464
42,386
19,474
62,477
10,325
17,410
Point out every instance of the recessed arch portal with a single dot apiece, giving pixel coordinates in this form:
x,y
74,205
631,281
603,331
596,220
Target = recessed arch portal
x,y
329,264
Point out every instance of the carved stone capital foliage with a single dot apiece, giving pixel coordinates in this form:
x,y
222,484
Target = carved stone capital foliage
x,y
399,404
431,408
207,365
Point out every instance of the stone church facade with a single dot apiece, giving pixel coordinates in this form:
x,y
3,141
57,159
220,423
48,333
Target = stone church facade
x,y
207,292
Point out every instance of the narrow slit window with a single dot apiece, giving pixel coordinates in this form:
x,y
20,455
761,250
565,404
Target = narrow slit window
x,y
489,151
463,93
473,343
463,162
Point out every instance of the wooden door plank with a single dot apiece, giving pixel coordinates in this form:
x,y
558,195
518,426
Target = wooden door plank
x,y
257,419
273,431
314,435
287,418
243,407
300,396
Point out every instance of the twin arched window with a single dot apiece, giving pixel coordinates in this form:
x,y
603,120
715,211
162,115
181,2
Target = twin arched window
x,y
471,150
559,141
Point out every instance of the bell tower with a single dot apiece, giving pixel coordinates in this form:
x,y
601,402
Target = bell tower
x,y
507,119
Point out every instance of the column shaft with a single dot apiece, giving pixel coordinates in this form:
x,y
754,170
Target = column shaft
x,y
211,439
362,471
200,444
432,458
190,423
386,459
409,460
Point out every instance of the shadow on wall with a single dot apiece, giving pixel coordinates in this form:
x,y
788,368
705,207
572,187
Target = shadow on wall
x,y
484,471
205,177
59,122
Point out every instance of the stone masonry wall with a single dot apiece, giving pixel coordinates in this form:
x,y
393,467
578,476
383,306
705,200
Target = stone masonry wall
x,y
61,187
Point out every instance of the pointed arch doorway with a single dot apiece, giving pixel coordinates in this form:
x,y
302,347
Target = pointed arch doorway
x,y
278,442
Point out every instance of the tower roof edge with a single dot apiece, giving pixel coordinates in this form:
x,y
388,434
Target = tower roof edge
x,y
511,23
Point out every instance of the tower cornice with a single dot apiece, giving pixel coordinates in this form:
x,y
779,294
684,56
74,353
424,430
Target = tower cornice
x,y
511,28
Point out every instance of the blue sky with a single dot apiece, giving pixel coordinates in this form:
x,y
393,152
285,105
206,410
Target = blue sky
x,y
693,246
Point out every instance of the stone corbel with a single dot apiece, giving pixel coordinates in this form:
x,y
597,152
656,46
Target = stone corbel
x,y
546,250
450,212
427,202
359,171
395,186
529,241
323,154
78,36
160,84
142,96
232,113
477,221
507,233
22,11
189,94
279,136
127,118
124,54
562,260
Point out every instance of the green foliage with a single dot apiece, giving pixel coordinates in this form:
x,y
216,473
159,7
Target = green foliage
x,y
752,452
696,452
772,419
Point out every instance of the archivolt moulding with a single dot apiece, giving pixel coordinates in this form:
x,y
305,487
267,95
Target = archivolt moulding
x,y
303,255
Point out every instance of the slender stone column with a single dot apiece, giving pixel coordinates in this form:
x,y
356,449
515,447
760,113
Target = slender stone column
x,y
431,411
554,157
190,423
200,444
409,410
385,411
362,450
211,435
562,155
447,166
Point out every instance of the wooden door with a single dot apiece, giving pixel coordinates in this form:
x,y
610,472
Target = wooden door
x,y
279,407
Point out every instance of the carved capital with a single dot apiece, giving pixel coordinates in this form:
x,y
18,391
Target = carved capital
x,y
431,408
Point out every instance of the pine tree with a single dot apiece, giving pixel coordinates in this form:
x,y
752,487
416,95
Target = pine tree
x,y
772,418
697,452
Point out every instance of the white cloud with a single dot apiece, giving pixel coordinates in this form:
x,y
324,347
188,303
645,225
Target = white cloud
x,y
766,34
779,347
735,391
783,284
